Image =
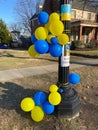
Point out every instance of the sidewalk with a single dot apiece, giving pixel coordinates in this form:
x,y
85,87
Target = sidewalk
x,y
38,70
30,71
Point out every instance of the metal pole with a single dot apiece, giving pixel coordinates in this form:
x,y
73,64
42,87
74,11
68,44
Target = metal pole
x,y
70,105
64,71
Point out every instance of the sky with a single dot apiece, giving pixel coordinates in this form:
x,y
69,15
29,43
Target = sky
x,y
7,11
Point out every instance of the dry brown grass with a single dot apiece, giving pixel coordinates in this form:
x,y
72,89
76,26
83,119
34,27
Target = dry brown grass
x,y
12,92
13,59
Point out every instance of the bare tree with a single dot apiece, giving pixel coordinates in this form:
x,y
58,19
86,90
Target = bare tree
x,y
15,27
25,9
94,3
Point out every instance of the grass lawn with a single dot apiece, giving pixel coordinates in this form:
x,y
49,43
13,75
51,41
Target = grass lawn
x,y
13,91
10,59
92,53
14,59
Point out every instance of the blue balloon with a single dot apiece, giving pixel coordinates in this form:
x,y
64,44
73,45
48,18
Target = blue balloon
x,y
41,46
43,17
48,108
39,98
54,40
33,38
74,78
60,90
55,50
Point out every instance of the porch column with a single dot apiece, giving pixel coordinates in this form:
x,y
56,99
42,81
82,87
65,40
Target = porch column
x,y
93,33
80,34
97,33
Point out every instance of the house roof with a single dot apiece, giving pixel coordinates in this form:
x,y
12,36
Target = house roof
x,y
34,16
83,5
84,23
15,31
53,5
79,4
25,39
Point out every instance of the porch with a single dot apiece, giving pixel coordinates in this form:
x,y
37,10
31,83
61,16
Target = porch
x,y
84,31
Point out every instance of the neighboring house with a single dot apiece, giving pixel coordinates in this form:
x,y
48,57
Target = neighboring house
x,y
26,41
15,39
19,41
34,19
84,24
48,6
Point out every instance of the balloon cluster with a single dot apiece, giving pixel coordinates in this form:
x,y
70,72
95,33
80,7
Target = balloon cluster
x,y
49,37
41,103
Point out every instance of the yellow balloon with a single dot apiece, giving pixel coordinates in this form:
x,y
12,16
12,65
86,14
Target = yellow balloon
x,y
49,37
53,88
37,114
41,33
47,25
54,17
32,51
54,98
27,104
56,28
63,39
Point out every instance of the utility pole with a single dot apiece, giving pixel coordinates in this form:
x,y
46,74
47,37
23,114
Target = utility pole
x,y
70,104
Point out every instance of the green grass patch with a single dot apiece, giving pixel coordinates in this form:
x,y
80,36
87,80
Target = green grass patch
x,y
85,53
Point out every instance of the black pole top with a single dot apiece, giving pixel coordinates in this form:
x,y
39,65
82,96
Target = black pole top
x,y
64,2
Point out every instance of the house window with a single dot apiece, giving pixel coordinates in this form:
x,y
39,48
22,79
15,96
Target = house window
x,y
73,13
89,16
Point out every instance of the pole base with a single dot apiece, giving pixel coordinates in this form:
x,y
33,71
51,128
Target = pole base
x,y
70,104
70,118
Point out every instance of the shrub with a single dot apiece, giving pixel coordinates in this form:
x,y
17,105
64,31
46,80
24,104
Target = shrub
x,y
77,44
5,36
92,44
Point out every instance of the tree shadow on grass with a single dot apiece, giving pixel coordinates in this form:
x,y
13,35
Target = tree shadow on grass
x,y
48,59
11,95
13,56
85,63
9,55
